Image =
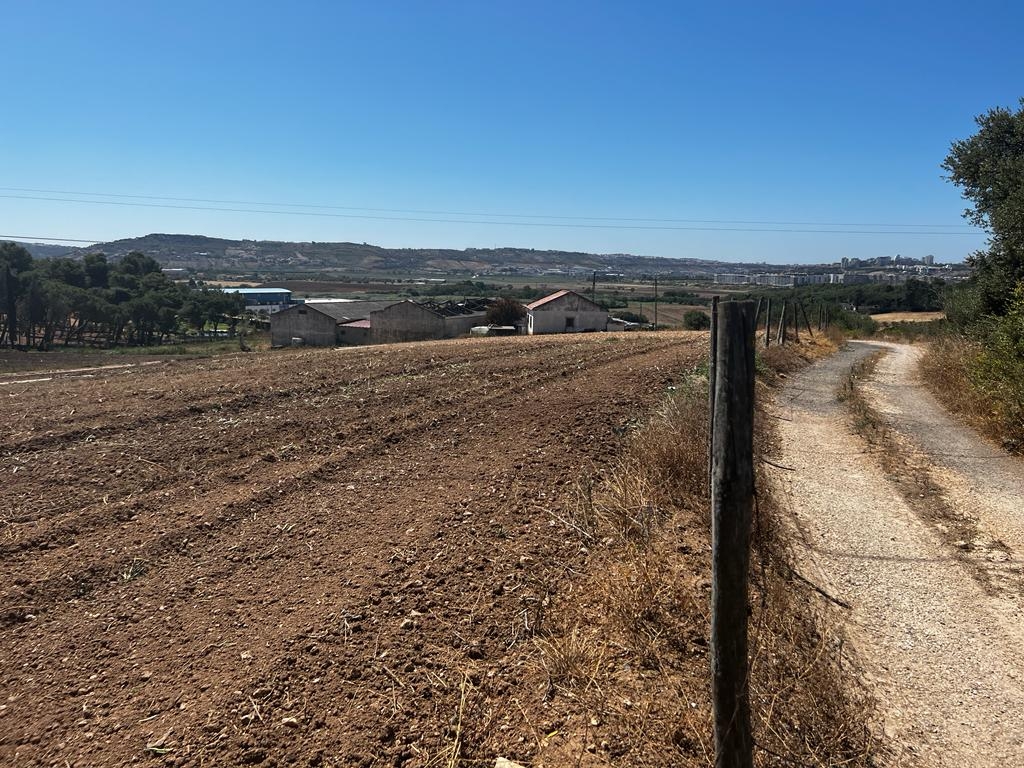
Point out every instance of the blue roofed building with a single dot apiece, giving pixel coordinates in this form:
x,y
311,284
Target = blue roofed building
x,y
263,300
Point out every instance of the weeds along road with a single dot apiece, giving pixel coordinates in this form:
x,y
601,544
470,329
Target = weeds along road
x,y
921,531
308,557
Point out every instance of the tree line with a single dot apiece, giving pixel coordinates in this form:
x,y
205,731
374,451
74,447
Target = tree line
x,y
96,302
988,309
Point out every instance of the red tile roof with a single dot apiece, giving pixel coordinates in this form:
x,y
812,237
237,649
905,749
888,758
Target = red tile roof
x,y
546,299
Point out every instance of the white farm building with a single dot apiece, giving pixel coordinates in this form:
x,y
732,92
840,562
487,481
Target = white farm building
x,y
565,312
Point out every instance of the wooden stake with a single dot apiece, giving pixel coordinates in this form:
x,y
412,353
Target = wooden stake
x,y
732,503
781,338
712,376
768,324
807,322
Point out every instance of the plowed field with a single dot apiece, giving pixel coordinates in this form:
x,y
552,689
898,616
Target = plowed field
x,y
308,557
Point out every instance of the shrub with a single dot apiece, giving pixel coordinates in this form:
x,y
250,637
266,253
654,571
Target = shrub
x,y
505,312
695,320
999,369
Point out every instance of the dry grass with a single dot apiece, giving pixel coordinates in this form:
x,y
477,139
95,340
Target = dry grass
x,y
908,317
634,687
949,367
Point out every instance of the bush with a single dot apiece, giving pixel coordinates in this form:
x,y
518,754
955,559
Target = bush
x,y
505,312
999,369
695,320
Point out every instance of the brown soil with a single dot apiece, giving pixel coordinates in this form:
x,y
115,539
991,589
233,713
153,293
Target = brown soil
x,y
14,363
306,557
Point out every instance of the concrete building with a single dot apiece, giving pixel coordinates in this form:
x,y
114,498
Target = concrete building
x,y
415,321
264,300
774,279
565,312
318,325
730,278
328,324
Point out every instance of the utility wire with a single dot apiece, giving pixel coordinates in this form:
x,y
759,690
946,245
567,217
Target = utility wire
x,y
569,225
467,213
37,238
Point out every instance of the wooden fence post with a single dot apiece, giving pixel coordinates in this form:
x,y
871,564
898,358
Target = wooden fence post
x,y
807,320
732,502
768,324
712,375
781,338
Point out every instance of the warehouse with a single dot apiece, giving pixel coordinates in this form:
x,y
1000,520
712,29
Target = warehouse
x,y
263,300
325,324
329,324
414,321
565,312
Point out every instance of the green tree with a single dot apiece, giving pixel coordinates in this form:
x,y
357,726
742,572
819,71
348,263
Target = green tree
x,y
695,320
505,312
14,261
989,169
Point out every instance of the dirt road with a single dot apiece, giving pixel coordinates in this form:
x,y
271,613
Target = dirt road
x,y
937,632
329,557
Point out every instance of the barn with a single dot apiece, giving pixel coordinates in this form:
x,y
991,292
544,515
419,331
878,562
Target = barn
x,y
325,324
565,312
330,324
418,321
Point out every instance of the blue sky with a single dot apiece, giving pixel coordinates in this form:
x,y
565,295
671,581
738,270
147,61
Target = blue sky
x,y
810,112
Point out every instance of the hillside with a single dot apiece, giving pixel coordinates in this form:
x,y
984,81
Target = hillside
x,y
243,256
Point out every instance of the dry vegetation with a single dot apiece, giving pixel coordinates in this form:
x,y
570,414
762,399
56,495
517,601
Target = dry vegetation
x,y
416,555
626,654
907,317
949,368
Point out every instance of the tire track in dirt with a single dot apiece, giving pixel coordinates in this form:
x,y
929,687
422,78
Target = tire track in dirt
x,y
359,600
74,530
237,444
979,483
940,652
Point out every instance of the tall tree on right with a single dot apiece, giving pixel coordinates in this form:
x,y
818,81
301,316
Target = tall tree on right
x,y
989,169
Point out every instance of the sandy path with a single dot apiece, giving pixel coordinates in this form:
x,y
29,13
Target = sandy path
x,y
942,655
977,479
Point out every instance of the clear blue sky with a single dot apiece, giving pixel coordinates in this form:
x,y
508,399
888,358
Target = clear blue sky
x,y
769,112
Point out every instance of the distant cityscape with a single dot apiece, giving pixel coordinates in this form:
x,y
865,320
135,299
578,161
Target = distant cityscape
x,y
880,269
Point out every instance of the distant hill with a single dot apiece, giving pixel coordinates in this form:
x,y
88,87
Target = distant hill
x,y
212,254
47,251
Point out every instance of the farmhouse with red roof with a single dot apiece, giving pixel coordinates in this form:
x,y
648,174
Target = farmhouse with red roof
x,y
565,312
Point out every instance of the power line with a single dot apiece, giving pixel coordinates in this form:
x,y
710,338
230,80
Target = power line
x,y
467,213
548,224
36,238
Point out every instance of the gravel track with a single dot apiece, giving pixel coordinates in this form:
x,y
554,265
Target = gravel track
x,y
941,653
978,480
